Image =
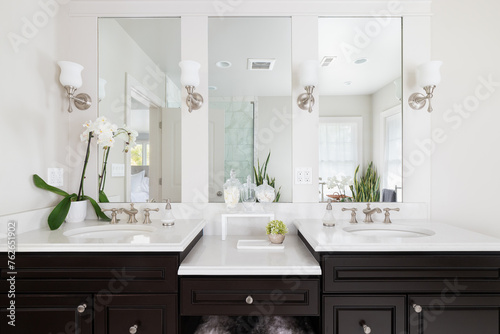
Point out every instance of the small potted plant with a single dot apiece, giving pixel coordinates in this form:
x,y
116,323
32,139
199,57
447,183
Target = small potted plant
x,y
276,231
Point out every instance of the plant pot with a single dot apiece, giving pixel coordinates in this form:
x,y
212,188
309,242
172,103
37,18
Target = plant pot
x,y
276,238
77,212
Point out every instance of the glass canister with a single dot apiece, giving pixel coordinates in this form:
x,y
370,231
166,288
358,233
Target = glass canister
x,y
265,193
248,194
232,190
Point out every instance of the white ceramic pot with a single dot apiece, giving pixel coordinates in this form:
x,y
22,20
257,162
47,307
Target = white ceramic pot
x,y
77,212
276,238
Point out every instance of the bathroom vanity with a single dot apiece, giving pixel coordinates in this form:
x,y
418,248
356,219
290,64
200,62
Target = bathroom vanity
x,y
341,280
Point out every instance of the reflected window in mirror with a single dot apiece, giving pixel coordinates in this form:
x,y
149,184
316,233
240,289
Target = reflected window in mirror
x,y
249,101
358,71
138,60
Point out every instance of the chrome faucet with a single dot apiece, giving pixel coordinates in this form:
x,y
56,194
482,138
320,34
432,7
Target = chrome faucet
x,y
113,215
353,215
147,219
131,214
369,212
387,219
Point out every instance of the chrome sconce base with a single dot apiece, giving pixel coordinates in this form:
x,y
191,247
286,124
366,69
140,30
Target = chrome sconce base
x,y
417,100
305,101
194,100
82,101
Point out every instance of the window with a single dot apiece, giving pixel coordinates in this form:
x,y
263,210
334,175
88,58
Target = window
x,y
392,176
340,140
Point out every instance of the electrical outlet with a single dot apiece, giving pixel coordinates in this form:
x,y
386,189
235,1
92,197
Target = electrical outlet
x,y
55,177
303,175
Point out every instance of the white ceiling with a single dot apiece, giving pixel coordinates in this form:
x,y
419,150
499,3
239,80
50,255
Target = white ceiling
x,y
237,39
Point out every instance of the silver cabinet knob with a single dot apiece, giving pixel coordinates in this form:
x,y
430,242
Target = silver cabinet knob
x,y
366,329
417,308
249,300
219,193
133,329
81,308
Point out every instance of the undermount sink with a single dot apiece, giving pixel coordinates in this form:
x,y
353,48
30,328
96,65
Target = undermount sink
x,y
388,231
115,232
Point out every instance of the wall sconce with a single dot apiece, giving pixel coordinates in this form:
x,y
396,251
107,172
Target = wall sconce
x,y
428,77
71,79
308,74
190,79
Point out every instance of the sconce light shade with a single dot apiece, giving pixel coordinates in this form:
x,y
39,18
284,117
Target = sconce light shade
x,y
71,79
71,74
428,73
190,78
102,88
189,73
308,73
428,77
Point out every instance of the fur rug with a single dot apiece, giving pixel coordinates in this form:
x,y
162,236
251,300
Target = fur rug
x,y
254,325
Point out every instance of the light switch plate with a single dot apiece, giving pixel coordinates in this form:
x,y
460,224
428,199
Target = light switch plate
x,y
117,170
303,175
55,177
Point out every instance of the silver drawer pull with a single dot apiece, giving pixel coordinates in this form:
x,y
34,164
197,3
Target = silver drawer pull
x,y
249,300
366,329
81,308
417,308
133,329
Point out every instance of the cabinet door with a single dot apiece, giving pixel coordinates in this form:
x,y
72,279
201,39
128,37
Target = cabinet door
x,y
451,312
56,314
363,314
142,314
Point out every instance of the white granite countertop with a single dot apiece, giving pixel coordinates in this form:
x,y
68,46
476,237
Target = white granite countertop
x,y
213,256
147,238
444,238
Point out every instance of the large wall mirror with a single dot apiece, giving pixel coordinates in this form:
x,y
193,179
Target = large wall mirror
x,y
360,104
250,80
139,85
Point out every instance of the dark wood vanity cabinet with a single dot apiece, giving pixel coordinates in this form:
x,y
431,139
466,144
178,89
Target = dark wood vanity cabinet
x,y
416,293
84,293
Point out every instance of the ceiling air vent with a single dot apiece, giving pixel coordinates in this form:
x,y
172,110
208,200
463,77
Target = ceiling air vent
x,y
327,60
260,64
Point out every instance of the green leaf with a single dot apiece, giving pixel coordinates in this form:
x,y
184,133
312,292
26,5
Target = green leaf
x,y
42,185
57,216
97,208
102,197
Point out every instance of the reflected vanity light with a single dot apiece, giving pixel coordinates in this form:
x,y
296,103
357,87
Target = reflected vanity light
x,y
190,79
71,80
308,74
428,77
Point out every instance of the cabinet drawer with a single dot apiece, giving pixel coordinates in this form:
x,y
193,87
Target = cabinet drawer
x,y
92,272
147,314
348,314
249,296
411,273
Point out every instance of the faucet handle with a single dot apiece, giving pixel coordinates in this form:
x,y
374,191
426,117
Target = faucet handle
x,y
387,219
114,211
353,214
147,220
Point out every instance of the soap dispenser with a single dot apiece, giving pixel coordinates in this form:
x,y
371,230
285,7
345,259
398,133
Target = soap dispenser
x,y
168,218
328,218
232,190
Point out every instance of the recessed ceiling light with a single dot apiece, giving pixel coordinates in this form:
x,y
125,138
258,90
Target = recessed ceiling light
x,y
360,61
347,83
223,64
212,87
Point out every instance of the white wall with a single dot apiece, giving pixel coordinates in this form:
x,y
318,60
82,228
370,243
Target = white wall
x,y
465,164
34,120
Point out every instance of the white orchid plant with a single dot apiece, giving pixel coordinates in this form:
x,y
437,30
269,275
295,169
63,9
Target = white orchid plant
x,y
105,133
339,181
